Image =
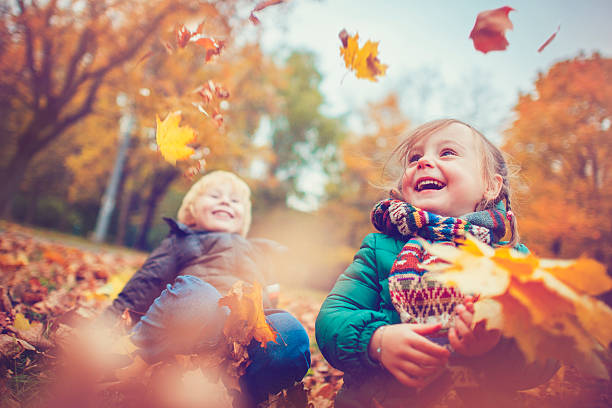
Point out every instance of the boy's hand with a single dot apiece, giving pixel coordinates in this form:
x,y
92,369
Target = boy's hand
x,y
413,359
468,341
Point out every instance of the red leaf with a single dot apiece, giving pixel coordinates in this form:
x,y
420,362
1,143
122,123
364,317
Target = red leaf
x,y
218,118
488,33
260,6
254,19
552,37
194,170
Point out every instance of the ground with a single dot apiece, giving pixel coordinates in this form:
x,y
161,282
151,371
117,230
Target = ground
x,y
52,283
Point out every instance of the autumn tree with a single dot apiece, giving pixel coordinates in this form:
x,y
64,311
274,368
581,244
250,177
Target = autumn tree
x,y
55,57
165,83
366,170
303,135
562,140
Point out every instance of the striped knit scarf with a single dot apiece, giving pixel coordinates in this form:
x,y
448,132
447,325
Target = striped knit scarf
x,y
417,297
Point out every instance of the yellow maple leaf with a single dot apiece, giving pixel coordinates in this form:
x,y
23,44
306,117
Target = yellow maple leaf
x,y
113,286
546,305
364,61
172,138
21,322
247,319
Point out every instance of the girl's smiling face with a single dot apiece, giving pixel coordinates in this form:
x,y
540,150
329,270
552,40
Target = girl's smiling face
x,y
220,208
443,172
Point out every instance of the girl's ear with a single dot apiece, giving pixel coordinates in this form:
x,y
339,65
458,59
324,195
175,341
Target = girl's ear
x,y
493,189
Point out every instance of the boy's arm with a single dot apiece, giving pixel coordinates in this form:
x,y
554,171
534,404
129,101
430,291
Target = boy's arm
x,y
147,283
350,314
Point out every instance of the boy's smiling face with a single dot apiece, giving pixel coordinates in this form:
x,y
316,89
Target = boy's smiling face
x,y
220,208
443,172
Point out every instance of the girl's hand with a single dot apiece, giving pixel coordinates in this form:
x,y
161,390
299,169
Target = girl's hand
x,y
409,356
468,341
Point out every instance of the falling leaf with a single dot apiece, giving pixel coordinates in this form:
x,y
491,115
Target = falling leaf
x,y
546,305
196,169
488,33
211,46
364,61
246,320
218,118
172,138
548,41
183,35
260,6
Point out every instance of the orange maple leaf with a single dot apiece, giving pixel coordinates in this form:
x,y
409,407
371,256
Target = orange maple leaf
x,y
246,320
211,46
364,61
172,138
546,305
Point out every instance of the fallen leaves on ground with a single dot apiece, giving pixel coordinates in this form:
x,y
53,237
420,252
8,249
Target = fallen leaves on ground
x,y
489,29
363,61
30,371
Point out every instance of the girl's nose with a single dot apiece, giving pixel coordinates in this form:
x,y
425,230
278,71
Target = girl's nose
x,y
423,162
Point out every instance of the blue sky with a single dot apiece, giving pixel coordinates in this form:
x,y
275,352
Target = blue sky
x,y
432,63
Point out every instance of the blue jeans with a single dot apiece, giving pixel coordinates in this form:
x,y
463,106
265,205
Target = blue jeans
x,y
187,319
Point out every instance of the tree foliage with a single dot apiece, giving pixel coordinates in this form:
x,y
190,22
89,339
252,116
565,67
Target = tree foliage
x,y
55,57
562,140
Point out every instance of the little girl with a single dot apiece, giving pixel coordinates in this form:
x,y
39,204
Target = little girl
x,y
386,323
174,295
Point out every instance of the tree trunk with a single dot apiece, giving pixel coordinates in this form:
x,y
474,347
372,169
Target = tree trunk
x,y
161,182
11,178
110,195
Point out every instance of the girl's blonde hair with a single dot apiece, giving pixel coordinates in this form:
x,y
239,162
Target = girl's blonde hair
x,y
493,162
185,212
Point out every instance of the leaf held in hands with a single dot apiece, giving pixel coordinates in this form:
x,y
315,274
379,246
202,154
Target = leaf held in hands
x,y
172,139
489,29
364,61
584,275
546,305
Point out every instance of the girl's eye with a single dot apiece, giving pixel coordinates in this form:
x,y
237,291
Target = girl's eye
x,y
414,157
235,200
448,152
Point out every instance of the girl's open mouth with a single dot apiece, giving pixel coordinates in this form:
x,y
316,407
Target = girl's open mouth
x,y
429,184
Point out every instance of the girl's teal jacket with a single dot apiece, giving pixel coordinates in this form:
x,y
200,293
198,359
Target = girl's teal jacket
x,y
359,303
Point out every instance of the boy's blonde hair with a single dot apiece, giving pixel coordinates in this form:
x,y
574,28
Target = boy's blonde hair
x,y
493,162
185,213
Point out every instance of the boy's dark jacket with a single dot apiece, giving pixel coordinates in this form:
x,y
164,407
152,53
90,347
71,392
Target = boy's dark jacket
x,y
359,303
218,258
